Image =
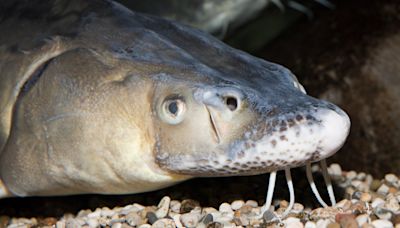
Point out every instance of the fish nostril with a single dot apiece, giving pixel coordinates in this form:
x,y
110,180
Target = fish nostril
x,y
232,103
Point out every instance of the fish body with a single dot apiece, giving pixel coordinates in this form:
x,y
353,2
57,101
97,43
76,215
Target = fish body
x,y
95,98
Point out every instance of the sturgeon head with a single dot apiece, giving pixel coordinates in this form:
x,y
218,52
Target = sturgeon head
x,y
230,113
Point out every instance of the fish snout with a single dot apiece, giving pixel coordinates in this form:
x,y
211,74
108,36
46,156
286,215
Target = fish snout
x,y
227,110
292,139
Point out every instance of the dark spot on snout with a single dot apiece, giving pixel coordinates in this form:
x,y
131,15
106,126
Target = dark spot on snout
x,y
299,117
282,129
291,122
283,138
273,142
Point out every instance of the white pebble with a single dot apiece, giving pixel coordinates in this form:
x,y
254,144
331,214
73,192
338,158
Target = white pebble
x,y
237,204
293,223
225,207
208,210
60,224
116,225
323,222
138,207
127,209
107,212
163,207
252,203
133,219
391,203
164,223
310,224
95,214
391,178
379,223
177,220
297,208
361,219
351,175
72,223
383,189
175,206
92,222
361,176
190,219
378,202
335,170
145,226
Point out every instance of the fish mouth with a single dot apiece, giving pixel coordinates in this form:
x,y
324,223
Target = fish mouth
x,y
273,144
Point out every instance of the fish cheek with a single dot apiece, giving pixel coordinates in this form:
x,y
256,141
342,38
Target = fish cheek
x,y
190,138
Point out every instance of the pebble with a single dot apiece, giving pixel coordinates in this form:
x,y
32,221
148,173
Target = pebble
x,y
383,189
391,203
151,217
377,202
293,223
379,223
346,220
383,213
351,175
335,170
163,207
366,197
188,205
60,224
133,219
237,204
145,226
190,219
177,220
252,203
368,203
310,224
225,207
344,204
361,219
391,178
323,223
164,223
175,206
334,225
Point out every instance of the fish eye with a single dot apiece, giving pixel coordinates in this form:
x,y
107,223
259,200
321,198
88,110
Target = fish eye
x,y
173,110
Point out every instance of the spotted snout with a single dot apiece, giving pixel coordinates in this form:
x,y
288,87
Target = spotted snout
x,y
285,141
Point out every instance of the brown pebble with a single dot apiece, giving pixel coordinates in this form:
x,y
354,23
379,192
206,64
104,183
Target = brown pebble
x,y
375,184
4,220
396,219
344,204
245,209
393,190
50,221
366,197
188,205
333,225
324,213
358,208
346,220
215,225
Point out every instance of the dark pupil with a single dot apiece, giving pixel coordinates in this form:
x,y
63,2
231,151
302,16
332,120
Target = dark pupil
x,y
173,108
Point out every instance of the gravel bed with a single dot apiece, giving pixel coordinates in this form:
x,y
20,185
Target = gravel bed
x,y
368,202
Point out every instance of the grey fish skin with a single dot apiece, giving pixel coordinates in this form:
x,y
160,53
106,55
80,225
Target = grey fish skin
x,y
95,98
